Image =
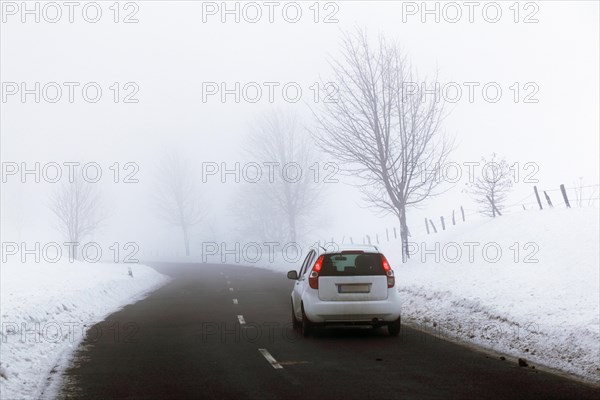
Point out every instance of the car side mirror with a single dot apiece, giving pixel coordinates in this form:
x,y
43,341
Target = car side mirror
x,y
292,275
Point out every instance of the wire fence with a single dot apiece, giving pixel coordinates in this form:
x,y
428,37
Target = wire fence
x,y
571,197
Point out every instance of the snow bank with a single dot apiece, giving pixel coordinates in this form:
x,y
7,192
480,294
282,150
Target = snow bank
x,y
540,302
45,309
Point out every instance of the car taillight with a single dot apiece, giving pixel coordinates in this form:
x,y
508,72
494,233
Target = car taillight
x,y
391,280
313,278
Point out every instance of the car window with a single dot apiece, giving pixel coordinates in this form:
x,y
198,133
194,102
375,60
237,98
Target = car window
x,y
351,264
302,268
307,262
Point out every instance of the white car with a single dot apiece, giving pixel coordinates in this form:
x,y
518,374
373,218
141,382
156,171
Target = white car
x,y
349,286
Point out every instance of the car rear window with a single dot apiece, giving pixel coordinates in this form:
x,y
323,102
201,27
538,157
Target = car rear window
x,y
351,264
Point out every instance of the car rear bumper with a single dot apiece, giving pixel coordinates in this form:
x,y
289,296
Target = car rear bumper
x,y
352,312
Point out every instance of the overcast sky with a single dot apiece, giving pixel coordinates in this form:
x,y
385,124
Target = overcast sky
x,y
171,52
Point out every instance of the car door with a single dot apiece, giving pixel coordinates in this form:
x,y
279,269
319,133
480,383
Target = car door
x,y
300,284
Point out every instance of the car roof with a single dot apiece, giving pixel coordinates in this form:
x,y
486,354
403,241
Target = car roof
x,y
334,248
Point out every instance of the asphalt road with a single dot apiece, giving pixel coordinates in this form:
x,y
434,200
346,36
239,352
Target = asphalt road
x,y
189,340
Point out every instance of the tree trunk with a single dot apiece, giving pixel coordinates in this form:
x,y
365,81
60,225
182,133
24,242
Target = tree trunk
x,y
186,241
404,235
292,227
74,238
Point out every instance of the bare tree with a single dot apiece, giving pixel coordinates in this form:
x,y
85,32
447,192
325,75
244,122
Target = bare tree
x,y
77,205
178,197
286,195
491,188
384,127
579,192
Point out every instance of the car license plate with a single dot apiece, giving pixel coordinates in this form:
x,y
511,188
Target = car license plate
x,y
354,288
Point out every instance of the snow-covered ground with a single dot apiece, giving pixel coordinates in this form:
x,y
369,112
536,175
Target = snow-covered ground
x,y
540,302
45,309
526,285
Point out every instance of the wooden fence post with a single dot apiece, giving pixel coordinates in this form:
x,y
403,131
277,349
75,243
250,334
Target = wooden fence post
x,y
351,241
537,196
377,237
548,199
462,212
443,224
395,236
433,226
564,193
369,239
453,220
426,226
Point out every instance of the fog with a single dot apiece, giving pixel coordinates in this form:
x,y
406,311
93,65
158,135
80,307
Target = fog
x,y
177,51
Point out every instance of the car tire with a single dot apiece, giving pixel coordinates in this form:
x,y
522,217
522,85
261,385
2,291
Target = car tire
x,y
394,327
295,322
306,324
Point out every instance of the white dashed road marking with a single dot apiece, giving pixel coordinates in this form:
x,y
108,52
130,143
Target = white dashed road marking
x,y
270,359
241,319
229,283
231,289
235,301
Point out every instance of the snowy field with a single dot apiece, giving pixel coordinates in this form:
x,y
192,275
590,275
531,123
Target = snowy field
x,y
525,285
538,300
46,309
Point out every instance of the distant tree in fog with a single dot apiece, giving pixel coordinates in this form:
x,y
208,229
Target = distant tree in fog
x,y
580,194
177,196
490,189
257,217
13,211
280,204
384,127
77,205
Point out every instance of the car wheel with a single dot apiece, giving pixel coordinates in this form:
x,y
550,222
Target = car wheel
x,y
295,322
306,324
394,327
